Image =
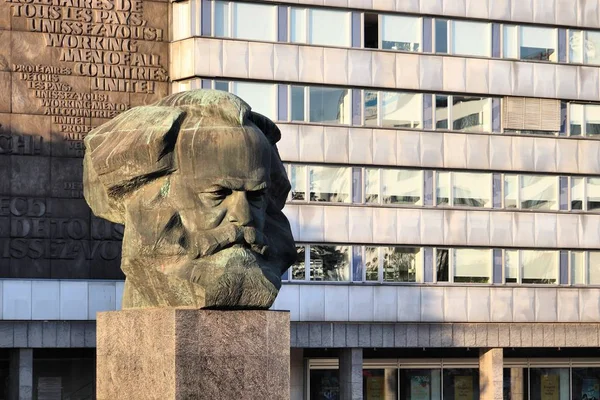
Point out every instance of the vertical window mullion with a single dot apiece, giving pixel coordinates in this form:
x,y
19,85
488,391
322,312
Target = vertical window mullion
x,y
307,24
449,35
379,32
307,182
380,264
306,103
307,262
230,18
585,194
451,265
519,179
451,189
518,40
450,107
520,267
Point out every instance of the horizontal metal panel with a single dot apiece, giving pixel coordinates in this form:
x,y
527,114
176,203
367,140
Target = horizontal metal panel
x,y
211,57
443,304
63,300
441,227
441,150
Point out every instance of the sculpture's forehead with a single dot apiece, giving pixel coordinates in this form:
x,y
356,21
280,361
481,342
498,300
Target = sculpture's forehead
x,y
224,152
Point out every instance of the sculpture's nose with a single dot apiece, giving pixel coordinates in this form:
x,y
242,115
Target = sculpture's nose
x,y
239,209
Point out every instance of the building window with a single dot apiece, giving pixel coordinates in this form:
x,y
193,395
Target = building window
x,y
401,33
586,382
299,267
389,186
320,27
530,43
584,47
467,113
238,20
585,194
471,265
393,109
460,383
585,268
393,264
534,192
463,265
328,105
549,382
329,263
441,36
325,184
531,266
471,38
584,119
464,189
379,384
262,97
181,20
531,115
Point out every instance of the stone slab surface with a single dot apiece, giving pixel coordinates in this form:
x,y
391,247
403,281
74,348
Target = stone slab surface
x,y
176,354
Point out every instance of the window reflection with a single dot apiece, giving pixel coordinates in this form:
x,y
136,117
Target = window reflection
x,y
400,264
329,263
547,383
442,265
586,383
299,267
538,43
331,184
441,36
372,263
297,103
539,192
298,182
380,384
460,383
420,384
471,38
539,266
329,105
471,114
472,265
400,33
441,112
472,189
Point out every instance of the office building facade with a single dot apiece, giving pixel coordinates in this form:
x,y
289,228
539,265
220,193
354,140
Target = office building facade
x,y
444,161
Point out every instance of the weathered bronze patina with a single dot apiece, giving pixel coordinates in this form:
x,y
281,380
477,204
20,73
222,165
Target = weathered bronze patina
x,y
199,185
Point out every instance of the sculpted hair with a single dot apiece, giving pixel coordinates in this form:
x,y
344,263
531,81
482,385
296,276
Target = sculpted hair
x,y
138,146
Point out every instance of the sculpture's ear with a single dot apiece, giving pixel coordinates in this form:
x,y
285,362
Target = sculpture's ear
x,y
125,153
134,146
267,126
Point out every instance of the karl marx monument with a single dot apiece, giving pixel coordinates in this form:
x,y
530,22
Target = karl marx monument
x,y
199,185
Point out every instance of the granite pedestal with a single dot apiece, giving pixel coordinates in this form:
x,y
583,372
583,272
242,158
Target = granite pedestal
x,y
176,354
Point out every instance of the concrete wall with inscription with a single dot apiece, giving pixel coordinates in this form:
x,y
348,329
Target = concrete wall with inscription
x,y
67,66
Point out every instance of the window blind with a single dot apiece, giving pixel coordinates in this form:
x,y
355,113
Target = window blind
x,y
524,113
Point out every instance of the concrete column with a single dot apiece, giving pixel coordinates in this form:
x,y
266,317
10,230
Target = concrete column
x,y
351,380
21,374
491,364
517,391
297,371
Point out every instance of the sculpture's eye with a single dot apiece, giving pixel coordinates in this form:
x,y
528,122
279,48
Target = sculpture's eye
x,y
220,194
256,197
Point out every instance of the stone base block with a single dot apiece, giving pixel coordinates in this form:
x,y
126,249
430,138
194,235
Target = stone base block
x,y
176,354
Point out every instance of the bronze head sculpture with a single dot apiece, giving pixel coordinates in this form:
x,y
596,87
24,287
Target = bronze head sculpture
x,y
199,185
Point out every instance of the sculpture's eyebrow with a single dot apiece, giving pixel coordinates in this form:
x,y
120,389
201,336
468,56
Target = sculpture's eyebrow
x,y
235,184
